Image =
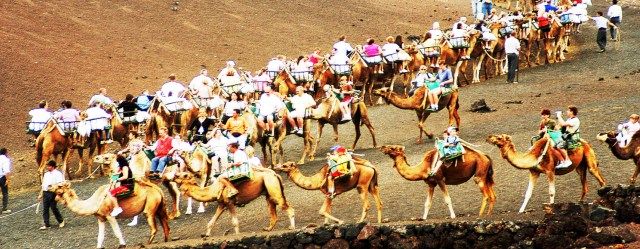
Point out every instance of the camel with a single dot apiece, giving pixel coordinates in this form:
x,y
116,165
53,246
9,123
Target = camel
x,y
53,142
364,179
177,122
496,50
146,198
631,151
542,159
285,83
328,112
415,103
531,37
451,57
140,165
475,164
264,182
364,74
417,60
554,47
274,144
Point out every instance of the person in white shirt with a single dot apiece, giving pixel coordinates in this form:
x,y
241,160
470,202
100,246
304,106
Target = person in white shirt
x,y
171,94
39,118
627,130
101,97
276,65
254,161
340,57
229,76
98,120
460,40
5,172
541,8
236,158
512,49
435,32
50,178
615,16
300,102
235,103
303,69
602,24
422,77
197,83
463,21
270,104
217,147
571,128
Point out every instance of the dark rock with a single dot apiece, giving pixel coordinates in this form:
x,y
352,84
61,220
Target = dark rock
x,y
253,240
336,244
600,79
585,242
367,231
611,235
321,236
312,246
385,230
600,213
480,106
514,102
281,241
552,241
304,238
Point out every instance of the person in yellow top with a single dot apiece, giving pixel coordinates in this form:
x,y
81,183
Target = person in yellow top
x,y
237,126
340,163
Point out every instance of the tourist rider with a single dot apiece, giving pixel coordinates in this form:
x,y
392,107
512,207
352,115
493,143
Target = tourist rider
x,y
422,77
391,52
144,101
129,109
340,57
235,103
236,158
570,132
134,146
5,172
372,55
39,119
546,123
101,98
68,118
237,126
229,71
122,182
98,120
171,95
487,36
161,149
199,127
300,102
50,178
217,148
269,105
340,163
627,130
459,40
445,77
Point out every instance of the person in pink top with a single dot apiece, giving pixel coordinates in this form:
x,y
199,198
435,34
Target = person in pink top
x,y
315,56
372,54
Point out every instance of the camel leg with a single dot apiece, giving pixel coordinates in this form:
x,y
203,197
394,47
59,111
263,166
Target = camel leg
x,y
551,178
356,126
485,194
151,220
421,130
174,191
447,198
273,215
427,203
234,218
367,123
116,230
213,220
365,203
335,132
533,177
292,214
201,208
375,192
325,211
100,234
315,147
632,180
189,206
592,165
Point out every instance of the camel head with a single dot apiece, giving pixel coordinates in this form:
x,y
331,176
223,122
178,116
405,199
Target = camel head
x,y
62,189
286,167
185,177
607,137
393,150
105,159
499,140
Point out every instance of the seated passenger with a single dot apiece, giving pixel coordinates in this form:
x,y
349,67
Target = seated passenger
x,y
300,102
39,118
373,55
460,41
237,126
129,109
445,77
68,118
99,122
627,130
236,103
269,105
101,98
199,127
393,53
217,147
340,163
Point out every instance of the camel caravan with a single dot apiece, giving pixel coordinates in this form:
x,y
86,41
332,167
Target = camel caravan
x,y
199,139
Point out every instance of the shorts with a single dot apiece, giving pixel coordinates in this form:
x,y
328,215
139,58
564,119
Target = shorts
x,y
297,113
264,117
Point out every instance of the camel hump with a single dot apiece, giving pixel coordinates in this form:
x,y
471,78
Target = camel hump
x,y
361,161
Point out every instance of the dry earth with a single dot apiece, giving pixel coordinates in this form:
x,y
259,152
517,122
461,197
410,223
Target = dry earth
x,y
53,49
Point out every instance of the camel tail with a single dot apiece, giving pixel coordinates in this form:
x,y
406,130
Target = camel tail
x,y
489,178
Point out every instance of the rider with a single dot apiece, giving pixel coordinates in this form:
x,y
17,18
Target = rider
x,y
178,146
544,23
234,104
236,158
391,52
261,80
237,126
451,144
300,102
39,118
134,146
69,118
303,68
129,109
197,83
487,36
217,147
422,77
445,77
546,123
161,150
459,38
171,94
372,52
341,51
100,97
276,65
229,73
570,128
98,120
315,57
345,96
270,103
122,177
627,130
340,162
435,32
200,126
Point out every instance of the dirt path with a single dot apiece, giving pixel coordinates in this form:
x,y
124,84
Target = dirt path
x,y
602,105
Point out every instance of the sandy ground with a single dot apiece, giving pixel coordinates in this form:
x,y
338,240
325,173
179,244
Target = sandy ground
x,y
603,103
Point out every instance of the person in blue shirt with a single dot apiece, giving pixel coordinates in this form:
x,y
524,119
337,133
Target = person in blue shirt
x,y
445,77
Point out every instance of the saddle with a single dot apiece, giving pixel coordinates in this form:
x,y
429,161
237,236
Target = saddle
x,y
341,166
237,174
448,153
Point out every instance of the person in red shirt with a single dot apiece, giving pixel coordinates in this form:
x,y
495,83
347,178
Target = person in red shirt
x,y
545,25
161,150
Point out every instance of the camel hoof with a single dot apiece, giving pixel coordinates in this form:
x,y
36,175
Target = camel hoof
x,y
419,141
385,220
632,181
417,219
267,229
188,212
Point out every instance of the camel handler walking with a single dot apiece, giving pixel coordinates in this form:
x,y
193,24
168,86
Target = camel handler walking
x,y
51,177
5,171
512,48
602,24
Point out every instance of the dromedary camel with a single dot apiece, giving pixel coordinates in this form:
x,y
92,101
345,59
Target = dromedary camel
x,y
631,151
415,102
53,142
542,158
273,145
146,198
475,164
264,182
364,179
328,112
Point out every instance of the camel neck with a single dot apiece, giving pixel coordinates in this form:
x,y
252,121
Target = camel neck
x,y
411,173
314,182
